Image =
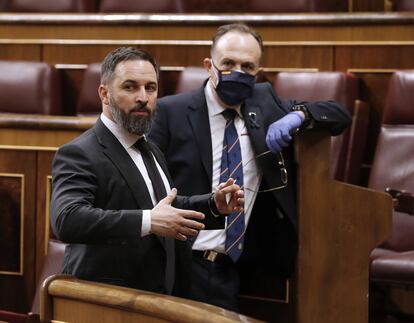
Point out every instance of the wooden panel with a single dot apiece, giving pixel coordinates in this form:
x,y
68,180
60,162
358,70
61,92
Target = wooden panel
x,y
333,269
43,195
368,5
20,52
12,221
319,57
67,299
181,55
20,287
374,57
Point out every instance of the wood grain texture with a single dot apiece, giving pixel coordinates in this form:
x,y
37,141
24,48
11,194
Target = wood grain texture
x,y
65,298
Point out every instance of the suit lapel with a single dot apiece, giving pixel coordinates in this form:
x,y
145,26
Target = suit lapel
x,y
254,123
126,166
200,126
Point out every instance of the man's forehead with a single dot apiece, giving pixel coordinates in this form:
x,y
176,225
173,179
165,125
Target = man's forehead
x,y
136,70
237,45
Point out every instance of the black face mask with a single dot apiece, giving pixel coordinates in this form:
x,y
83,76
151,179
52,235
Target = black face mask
x,y
233,87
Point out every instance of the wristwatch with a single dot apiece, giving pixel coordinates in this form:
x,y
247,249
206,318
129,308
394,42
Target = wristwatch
x,y
302,107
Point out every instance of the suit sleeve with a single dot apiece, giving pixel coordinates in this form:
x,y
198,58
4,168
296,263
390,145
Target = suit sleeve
x,y
159,133
74,217
329,115
201,204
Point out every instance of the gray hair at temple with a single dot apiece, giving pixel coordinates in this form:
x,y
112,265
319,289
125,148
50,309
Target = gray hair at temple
x,y
122,54
238,27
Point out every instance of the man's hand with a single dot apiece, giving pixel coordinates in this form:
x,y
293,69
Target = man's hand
x,y
168,221
236,197
278,134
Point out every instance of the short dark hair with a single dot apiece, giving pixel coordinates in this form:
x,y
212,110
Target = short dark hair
x,y
237,27
122,54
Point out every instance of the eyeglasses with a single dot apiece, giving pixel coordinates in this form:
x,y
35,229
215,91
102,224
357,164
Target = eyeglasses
x,y
282,168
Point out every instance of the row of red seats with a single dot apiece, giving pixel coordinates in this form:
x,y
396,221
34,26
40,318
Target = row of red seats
x,y
186,6
174,6
42,95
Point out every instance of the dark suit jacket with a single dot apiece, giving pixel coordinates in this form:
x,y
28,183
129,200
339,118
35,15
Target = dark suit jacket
x,y
182,131
97,202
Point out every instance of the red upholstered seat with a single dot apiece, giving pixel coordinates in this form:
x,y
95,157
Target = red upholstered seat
x,y
128,6
89,102
267,6
29,88
346,149
191,79
402,5
51,5
392,263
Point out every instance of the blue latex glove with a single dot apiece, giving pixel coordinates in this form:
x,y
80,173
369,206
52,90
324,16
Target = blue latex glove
x,y
278,134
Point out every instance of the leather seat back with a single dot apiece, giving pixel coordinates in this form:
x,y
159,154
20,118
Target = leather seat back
x,y
30,88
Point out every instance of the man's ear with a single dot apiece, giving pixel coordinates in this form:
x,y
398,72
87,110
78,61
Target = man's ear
x,y
103,94
207,64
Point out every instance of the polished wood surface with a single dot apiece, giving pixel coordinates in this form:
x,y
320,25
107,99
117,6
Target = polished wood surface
x,y
41,131
17,286
68,299
339,225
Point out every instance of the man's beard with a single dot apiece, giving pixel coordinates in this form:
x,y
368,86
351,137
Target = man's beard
x,y
138,125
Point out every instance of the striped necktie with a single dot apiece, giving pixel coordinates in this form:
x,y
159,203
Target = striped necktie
x,y
231,166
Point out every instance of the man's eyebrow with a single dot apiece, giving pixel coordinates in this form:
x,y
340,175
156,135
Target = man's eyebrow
x,y
129,80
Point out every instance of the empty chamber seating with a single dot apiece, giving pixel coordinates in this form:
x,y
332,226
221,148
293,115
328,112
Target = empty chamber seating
x,y
89,101
191,79
346,149
268,6
29,88
392,263
128,6
51,5
403,5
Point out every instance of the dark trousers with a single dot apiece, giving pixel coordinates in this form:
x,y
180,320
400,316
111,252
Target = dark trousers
x,y
215,283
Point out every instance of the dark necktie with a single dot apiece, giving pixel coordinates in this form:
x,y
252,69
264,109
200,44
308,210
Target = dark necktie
x,y
231,166
153,173
160,193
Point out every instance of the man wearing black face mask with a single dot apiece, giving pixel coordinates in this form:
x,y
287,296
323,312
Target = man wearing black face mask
x,y
234,127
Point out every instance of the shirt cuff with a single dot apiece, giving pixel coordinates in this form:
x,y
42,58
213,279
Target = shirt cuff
x,y
146,223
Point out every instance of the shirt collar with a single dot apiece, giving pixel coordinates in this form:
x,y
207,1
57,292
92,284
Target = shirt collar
x,y
124,137
214,105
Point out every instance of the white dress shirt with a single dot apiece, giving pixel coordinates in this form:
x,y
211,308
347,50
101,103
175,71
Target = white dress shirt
x,y
215,239
127,141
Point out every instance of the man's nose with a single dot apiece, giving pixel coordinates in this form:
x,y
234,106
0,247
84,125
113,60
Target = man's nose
x,y
141,95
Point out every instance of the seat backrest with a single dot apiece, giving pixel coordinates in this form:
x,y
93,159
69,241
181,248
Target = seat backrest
x,y
52,265
214,6
267,6
191,78
29,88
393,162
153,6
51,5
324,86
399,107
89,102
403,5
